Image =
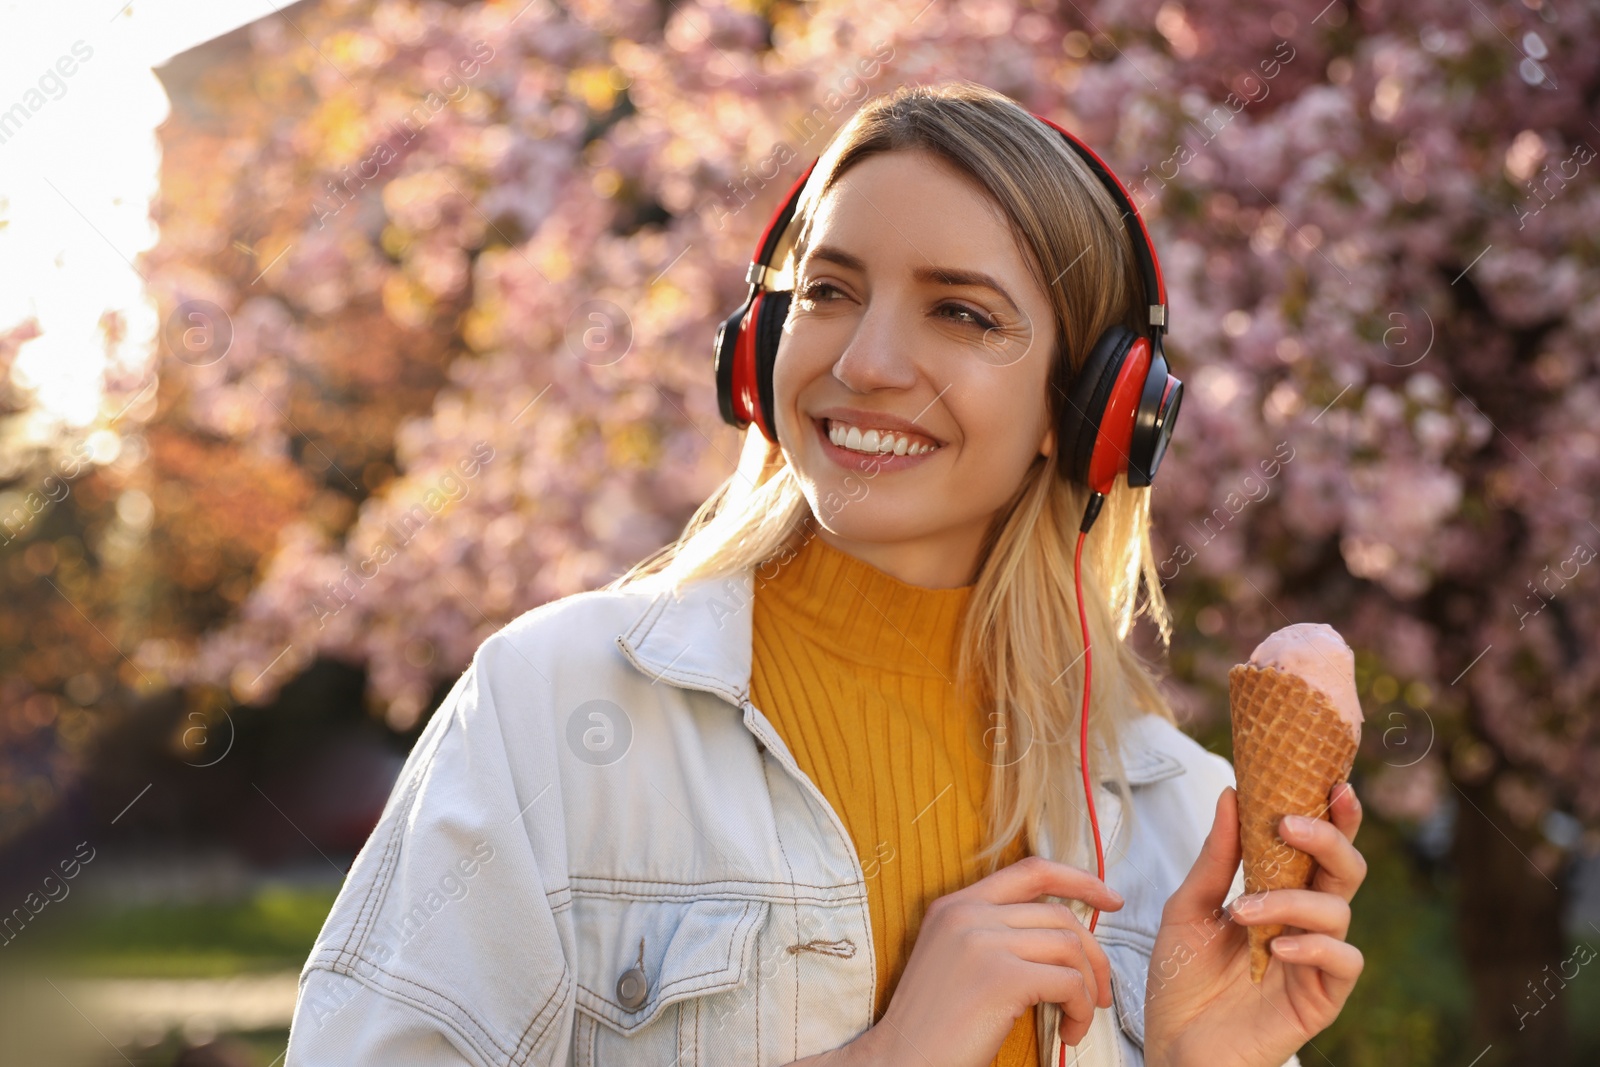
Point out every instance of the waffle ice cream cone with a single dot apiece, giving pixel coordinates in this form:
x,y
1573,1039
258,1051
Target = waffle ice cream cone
x,y
1296,726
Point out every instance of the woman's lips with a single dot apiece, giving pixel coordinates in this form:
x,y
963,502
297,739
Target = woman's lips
x,y
866,461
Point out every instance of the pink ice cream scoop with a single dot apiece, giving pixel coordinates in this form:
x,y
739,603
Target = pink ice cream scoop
x,y
1316,652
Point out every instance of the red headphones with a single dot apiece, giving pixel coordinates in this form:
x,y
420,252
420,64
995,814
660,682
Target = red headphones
x,y
1119,408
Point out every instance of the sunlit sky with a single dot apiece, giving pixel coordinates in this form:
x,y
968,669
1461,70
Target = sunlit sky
x,y
78,168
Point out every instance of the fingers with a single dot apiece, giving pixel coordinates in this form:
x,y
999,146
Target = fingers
x,y
1069,988
1345,809
1339,961
1052,915
1034,876
1308,909
1043,937
1340,866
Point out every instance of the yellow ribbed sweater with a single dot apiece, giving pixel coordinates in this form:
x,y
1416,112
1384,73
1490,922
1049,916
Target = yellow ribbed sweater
x,y
856,670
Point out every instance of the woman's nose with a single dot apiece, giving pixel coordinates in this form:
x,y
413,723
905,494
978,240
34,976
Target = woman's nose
x,y
878,355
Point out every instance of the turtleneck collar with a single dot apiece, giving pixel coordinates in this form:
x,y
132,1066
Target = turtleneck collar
x,y
863,614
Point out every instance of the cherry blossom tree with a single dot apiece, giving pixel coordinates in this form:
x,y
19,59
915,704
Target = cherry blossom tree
x,y
469,260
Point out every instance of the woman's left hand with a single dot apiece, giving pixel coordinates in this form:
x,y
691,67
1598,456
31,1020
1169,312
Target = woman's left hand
x,y
1201,1009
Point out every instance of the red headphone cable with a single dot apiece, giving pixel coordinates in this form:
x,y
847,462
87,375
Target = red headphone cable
x,y
1089,515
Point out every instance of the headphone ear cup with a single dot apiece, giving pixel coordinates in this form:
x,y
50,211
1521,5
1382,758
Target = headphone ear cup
x,y
729,376
1153,423
1086,401
772,311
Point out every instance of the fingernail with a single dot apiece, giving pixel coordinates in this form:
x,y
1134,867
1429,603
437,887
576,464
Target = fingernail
x,y
1246,905
1297,824
1285,945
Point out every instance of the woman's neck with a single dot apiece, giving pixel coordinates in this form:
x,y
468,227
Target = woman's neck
x,y
948,561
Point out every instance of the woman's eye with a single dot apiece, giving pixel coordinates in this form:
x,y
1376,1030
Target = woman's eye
x,y
812,289
973,318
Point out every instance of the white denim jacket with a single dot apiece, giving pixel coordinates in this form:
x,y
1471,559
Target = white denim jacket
x,y
601,853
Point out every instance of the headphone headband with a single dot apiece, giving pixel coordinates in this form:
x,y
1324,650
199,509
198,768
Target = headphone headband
x,y
1144,254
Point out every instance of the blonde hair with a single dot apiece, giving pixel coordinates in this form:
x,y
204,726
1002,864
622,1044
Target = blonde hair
x,y
1019,645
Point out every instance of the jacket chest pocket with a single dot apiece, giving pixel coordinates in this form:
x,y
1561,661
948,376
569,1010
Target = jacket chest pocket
x,y
658,981
1129,948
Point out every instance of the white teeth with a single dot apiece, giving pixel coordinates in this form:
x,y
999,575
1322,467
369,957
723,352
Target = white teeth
x,y
878,442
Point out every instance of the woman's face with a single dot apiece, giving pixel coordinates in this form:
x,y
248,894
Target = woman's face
x,y
894,326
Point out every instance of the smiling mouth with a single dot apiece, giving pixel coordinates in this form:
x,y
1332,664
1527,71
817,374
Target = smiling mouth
x,y
875,442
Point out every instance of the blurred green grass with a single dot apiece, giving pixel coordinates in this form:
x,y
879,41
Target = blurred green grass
x,y
272,929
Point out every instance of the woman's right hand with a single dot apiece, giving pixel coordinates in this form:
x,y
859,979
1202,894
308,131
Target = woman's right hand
x,y
989,952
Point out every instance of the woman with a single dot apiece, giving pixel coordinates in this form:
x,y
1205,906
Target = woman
x,y
797,788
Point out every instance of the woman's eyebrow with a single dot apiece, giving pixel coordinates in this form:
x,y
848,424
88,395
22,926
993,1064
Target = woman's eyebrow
x,y
937,275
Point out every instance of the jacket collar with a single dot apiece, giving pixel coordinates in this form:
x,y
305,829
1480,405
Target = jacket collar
x,y
699,637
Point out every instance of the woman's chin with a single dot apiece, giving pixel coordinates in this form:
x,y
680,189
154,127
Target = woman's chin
x,y
867,520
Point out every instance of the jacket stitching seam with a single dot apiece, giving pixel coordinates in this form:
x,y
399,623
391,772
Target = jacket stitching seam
x,y
455,1019
784,852
756,1008
357,933
689,672
378,894
351,935
714,683
360,927
639,632
828,901
586,892
657,605
1130,1002
680,1029
538,1039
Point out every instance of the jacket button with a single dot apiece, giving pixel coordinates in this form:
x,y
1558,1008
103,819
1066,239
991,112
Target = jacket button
x,y
631,988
